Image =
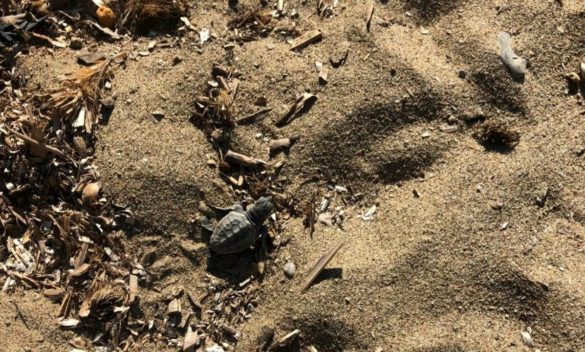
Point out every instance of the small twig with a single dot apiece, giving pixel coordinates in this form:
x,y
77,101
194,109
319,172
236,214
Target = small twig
x,y
20,315
37,143
243,160
252,116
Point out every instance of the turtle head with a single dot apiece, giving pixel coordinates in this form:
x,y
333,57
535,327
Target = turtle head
x,y
261,210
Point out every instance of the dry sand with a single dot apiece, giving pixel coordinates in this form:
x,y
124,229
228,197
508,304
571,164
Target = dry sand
x,y
466,265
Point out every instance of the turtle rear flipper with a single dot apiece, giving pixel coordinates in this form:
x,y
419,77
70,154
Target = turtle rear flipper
x,y
206,224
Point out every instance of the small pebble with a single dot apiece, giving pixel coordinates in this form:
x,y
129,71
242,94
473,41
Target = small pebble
x,y
290,269
76,44
527,339
177,60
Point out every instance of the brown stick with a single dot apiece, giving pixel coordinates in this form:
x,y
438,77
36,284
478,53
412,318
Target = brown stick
x,y
252,116
37,143
325,259
243,160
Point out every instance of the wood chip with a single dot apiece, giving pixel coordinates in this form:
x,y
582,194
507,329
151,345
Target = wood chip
x,y
300,106
369,16
325,259
306,39
133,288
65,305
54,294
91,58
79,271
243,160
174,307
191,340
83,251
323,76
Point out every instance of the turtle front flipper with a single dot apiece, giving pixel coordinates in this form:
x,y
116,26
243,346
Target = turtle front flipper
x,y
224,211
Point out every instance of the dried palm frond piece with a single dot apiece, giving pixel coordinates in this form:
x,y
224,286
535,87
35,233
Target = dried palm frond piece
x,y
102,303
78,98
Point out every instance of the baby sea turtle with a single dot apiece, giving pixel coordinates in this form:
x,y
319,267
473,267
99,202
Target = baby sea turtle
x,y
239,229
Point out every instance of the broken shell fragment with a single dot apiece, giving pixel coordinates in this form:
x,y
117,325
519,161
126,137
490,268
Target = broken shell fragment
x,y
527,339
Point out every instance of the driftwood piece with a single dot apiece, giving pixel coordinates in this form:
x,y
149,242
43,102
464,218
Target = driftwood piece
x,y
325,259
243,160
306,39
301,105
